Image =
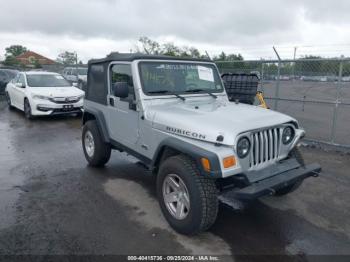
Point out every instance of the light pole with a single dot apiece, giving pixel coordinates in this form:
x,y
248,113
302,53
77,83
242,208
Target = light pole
x,y
76,65
294,57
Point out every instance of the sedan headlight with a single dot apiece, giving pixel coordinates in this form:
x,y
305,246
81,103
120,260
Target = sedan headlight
x,y
41,97
243,147
288,135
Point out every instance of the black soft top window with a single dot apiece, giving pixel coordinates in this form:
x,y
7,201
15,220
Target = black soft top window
x,y
97,89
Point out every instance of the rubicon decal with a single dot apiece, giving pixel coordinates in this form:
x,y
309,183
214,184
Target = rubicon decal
x,y
185,132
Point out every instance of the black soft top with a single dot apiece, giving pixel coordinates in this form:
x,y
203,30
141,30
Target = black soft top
x,y
136,56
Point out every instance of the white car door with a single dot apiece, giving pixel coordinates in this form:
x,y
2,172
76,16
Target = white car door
x,y
19,90
11,90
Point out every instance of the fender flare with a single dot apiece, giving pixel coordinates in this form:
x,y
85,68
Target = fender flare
x,y
195,152
100,120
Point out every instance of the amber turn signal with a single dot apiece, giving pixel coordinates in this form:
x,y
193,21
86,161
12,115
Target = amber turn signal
x,y
229,161
205,164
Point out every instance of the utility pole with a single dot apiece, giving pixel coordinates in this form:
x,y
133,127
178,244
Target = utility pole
x,y
277,91
76,58
294,57
76,65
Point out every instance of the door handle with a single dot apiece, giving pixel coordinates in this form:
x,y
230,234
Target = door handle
x,y
111,101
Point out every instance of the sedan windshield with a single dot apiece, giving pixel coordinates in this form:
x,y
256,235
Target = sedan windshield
x,y
44,80
82,71
162,78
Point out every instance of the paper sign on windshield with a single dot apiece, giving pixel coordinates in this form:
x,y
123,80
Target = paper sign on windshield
x,y
205,73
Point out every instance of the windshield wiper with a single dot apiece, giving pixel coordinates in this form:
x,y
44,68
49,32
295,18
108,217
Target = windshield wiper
x,y
166,92
201,90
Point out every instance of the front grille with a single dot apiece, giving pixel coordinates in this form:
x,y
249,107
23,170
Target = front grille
x,y
65,110
65,100
265,146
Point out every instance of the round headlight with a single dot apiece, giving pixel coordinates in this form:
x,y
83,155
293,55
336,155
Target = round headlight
x,y
243,147
287,135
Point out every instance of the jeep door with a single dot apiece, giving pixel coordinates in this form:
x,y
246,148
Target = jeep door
x,y
122,114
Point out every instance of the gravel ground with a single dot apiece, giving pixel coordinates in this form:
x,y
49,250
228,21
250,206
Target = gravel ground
x,y
52,203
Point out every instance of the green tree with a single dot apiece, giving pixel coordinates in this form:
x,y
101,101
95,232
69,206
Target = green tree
x,y
228,57
194,52
10,61
67,58
37,64
222,56
149,46
234,57
11,53
170,49
15,50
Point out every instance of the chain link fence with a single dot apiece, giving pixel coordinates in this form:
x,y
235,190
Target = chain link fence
x,y
314,91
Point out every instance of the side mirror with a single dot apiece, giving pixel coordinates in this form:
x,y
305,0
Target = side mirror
x,y
20,85
75,84
121,89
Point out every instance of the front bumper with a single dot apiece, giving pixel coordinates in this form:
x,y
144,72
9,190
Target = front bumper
x,y
273,178
45,108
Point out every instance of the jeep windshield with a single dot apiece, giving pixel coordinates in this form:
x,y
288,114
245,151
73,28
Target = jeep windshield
x,y
164,78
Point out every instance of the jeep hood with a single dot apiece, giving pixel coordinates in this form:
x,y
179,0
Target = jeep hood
x,y
206,121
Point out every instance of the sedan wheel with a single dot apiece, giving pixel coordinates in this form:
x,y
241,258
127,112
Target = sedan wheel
x,y
8,100
27,110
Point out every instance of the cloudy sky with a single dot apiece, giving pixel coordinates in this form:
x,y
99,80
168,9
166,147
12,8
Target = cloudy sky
x,y
94,28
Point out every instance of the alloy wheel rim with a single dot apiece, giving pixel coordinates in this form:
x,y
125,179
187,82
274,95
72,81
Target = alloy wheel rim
x,y
176,196
89,144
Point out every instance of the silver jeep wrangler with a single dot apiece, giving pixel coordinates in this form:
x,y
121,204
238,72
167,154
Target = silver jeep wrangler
x,y
173,114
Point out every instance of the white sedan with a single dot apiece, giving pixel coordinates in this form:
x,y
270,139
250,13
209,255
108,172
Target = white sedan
x,y
43,93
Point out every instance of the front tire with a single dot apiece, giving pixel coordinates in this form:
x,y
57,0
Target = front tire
x,y
27,110
295,153
96,151
188,200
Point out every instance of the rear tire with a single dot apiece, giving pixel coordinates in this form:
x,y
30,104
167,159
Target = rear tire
x,y
8,100
295,153
96,151
200,197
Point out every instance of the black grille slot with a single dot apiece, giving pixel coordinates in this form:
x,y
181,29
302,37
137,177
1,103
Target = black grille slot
x,y
265,146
